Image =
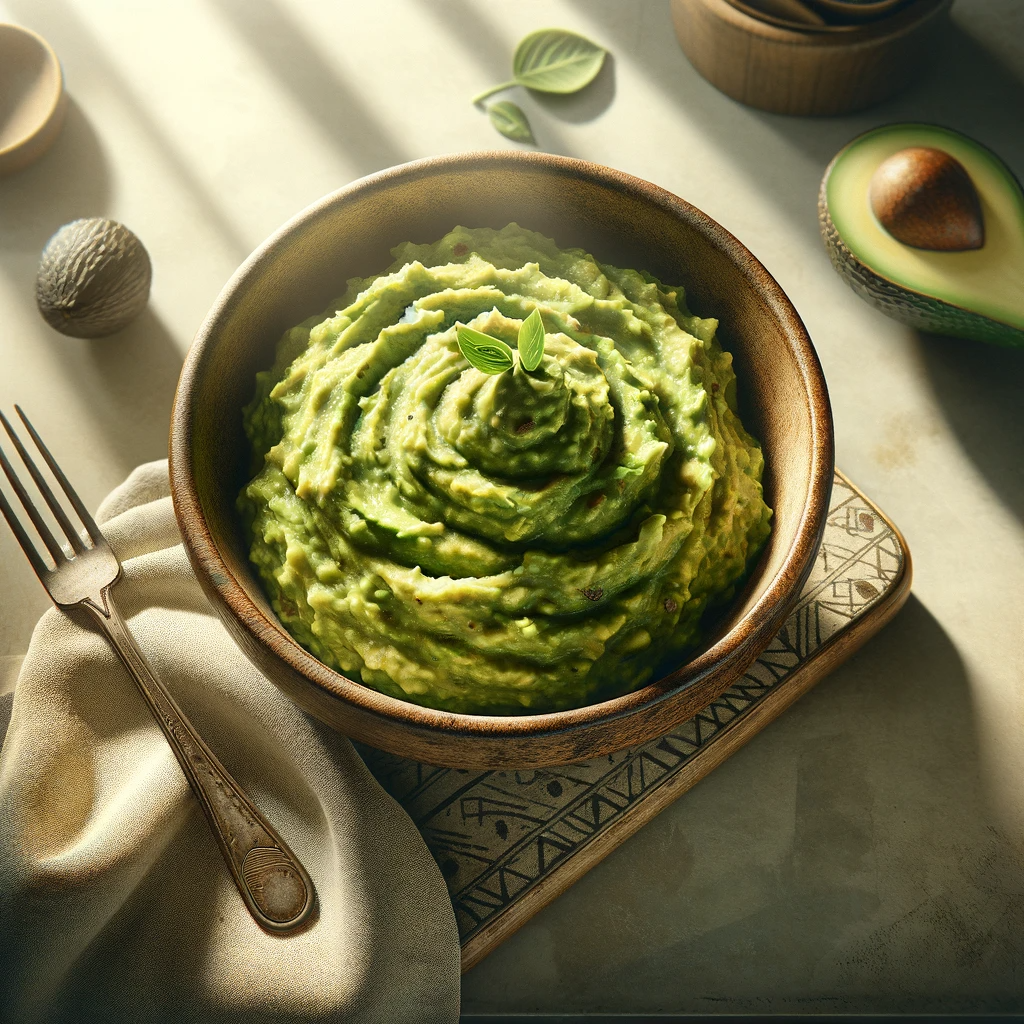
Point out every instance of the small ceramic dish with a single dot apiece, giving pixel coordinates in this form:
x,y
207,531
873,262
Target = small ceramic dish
x,y
621,220
32,97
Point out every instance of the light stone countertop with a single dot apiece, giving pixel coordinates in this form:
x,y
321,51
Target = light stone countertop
x,y
864,853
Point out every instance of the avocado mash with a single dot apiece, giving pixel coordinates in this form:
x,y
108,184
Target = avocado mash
x,y
511,543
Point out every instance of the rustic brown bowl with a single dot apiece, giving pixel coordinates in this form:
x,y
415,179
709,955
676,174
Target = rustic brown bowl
x,y
807,70
621,220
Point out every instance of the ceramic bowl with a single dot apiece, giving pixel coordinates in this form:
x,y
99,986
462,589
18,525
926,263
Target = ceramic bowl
x,y
32,97
621,220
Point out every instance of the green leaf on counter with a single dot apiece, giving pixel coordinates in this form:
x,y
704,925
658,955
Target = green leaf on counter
x,y
531,341
556,60
488,355
510,121
552,60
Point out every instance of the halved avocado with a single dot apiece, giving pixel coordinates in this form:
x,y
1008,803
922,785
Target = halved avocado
x,y
977,293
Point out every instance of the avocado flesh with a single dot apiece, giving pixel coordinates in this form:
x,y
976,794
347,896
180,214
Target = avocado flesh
x,y
978,293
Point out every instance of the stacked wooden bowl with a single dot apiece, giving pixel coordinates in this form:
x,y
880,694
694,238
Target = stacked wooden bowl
x,y
815,57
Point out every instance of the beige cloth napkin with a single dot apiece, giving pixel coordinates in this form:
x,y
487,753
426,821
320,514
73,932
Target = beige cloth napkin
x,y
115,903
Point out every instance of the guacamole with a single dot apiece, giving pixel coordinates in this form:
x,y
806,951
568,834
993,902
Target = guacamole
x,y
507,543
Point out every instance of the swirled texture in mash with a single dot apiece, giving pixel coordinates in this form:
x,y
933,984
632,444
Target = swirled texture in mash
x,y
505,544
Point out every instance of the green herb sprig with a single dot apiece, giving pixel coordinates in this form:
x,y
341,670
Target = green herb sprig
x,y
552,60
493,356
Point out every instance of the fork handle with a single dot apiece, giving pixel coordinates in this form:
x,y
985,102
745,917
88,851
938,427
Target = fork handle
x,y
273,883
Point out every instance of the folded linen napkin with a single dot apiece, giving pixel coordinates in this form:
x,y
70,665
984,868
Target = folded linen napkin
x,y
115,903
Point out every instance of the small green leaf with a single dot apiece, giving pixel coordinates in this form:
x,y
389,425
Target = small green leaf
x,y
555,60
510,121
621,472
531,341
488,355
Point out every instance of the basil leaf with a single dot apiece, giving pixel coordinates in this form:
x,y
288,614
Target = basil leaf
x,y
531,341
510,121
487,354
555,60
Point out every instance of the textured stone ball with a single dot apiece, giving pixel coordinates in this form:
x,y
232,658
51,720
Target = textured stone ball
x,y
93,278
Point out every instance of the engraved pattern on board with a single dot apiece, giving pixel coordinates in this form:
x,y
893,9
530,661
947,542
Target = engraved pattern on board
x,y
496,834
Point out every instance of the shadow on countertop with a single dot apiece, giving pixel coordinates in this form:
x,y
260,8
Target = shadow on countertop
x,y
130,378
137,369
980,389
848,851
71,180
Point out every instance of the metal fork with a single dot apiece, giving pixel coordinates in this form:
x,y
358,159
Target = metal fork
x,y
273,883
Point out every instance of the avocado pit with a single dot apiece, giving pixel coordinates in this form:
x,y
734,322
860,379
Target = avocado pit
x,y
93,278
925,199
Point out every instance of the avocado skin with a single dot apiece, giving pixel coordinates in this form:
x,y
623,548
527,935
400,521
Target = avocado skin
x,y
923,312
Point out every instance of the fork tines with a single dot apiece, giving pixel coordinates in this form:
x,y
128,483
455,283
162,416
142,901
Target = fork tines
x,y
74,537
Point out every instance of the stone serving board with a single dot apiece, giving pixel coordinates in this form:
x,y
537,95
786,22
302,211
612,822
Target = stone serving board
x,y
509,842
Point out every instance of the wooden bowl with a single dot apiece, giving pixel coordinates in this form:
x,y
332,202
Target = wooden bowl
x,y
32,97
621,220
834,69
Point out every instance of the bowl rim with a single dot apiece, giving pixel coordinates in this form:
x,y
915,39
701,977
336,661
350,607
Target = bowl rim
x,y
738,647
